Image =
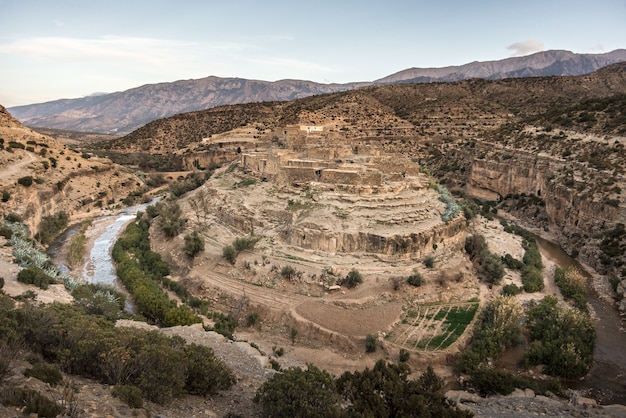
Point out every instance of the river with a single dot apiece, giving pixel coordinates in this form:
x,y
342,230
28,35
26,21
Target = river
x,y
606,381
99,267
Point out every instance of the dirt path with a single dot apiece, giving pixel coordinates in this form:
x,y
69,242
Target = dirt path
x,y
15,169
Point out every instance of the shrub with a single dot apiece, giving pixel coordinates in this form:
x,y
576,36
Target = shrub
x,y
194,244
532,279
229,253
45,372
299,393
35,275
51,226
26,181
429,262
512,263
287,272
474,245
563,339
404,355
252,319
415,279
1,282
497,330
245,243
206,374
371,343
6,195
170,219
491,267
511,290
130,394
30,401
353,279
572,284
532,256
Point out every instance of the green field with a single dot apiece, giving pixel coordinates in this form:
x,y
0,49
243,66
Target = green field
x,y
433,327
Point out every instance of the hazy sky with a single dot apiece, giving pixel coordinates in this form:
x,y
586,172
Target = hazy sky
x,y
67,49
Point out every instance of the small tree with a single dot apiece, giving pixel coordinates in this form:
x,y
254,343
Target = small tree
x,y
299,393
25,181
229,253
170,219
429,261
371,343
353,279
194,244
287,272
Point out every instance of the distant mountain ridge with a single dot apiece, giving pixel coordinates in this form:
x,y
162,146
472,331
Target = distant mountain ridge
x,y
540,64
123,112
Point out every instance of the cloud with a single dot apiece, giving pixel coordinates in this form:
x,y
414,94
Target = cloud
x,y
146,50
525,47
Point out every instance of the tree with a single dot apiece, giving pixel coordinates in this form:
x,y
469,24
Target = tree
x,y
299,393
206,374
194,244
229,253
386,391
353,279
170,219
371,343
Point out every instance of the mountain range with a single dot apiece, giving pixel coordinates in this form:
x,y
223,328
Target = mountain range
x,y
123,112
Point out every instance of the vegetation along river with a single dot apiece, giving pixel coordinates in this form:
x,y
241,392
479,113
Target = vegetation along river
x,y
606,381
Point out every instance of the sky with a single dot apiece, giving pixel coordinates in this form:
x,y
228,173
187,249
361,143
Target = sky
x,y
68,49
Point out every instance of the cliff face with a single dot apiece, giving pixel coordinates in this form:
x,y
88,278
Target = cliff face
x,y
586,224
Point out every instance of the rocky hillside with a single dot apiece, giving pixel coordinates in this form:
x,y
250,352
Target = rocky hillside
x,y
122,112
42,178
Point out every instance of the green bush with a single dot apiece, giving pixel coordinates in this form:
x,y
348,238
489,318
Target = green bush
x,y
386,391
45,372
415,279
511,290
404,355
474,245
287,272
170,219
30,401
371,343
563,339
51,226
429,262
194,244
26,181
206,374
299,393
245,243
130,394
497,330
491,267
572,284
512,263
353,279
532,279
35,275
6,195
532,256
229,253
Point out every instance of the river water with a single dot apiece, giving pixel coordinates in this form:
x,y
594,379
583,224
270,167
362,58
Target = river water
x,y
99,268
606,381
